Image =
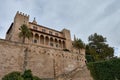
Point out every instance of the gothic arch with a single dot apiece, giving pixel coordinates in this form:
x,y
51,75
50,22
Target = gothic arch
x,y
41,39
56,42
51,42
36,40
60,44
46,40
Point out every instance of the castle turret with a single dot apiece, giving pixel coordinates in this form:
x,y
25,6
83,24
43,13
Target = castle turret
x,y
34,21
13,32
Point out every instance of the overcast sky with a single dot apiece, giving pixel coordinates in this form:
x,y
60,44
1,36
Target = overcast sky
x,y
81,17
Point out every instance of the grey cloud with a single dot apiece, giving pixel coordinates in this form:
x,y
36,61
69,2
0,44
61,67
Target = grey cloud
x,y
82,17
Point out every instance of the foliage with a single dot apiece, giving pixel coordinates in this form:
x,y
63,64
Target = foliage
x,y
105,70
98,48
89,58
36,78
95,38
78,44
27,75
25,32
13,76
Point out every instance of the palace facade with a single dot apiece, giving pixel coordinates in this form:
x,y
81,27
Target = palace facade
x,y
41,35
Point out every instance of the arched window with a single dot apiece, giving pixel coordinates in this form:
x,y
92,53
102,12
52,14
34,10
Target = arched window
x,y
51,42
46,40
60,44
36,40
42,39
56,43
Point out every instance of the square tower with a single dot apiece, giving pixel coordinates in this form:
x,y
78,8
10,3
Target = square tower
x,y
13,32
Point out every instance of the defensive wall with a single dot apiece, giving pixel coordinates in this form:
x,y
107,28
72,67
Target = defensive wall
x,y
44,62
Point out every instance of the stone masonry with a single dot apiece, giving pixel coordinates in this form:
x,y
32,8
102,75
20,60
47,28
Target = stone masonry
x,y
44,62
44,53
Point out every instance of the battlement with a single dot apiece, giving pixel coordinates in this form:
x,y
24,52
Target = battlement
x,y
22,14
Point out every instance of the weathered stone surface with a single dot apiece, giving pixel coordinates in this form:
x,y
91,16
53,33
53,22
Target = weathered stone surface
x,y
44,62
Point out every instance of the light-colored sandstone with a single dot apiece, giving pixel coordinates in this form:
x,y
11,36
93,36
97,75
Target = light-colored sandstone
x,y
43,53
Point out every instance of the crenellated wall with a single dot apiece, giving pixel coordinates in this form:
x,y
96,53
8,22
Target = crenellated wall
x,y
44,62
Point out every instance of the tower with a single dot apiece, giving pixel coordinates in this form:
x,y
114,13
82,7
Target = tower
x,y
13,32
68,42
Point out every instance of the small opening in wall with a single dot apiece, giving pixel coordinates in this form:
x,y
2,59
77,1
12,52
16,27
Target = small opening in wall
x,y
59,55
50,32
35,41
62,55
57,45
34,27
43,30
56,34
51,44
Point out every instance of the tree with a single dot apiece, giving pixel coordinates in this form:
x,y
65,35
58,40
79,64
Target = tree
x,y
25,33
27,75
13,76
98,48
95,38
78,44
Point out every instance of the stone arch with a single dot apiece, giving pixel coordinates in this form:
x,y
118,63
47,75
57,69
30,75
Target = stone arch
x,y
51,42
56,43
36,40
46,40
41,39
63,44
60,44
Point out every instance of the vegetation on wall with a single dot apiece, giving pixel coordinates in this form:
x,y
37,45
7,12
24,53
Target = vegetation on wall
x,y
98,48
27,75
89,58
78,44
105,70
24,32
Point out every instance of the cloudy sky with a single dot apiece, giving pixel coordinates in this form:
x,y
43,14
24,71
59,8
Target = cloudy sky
x,y
82,17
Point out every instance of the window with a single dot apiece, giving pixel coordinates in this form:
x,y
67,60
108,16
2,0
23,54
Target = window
x,y
50,32
34,27
57,45
51,44
56,34
43,30
35,41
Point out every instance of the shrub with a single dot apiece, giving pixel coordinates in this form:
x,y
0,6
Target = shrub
x,y
36,78
27,75
89,58
13,76
105,70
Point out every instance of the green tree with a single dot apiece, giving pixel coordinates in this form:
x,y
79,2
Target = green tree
x,y
24,32
27,75
78,44
13,76
98,48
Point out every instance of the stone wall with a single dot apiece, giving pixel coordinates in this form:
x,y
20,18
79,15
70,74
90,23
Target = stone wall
x,y
44,62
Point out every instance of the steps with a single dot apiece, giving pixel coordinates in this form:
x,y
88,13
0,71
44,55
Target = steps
x,y
79,73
